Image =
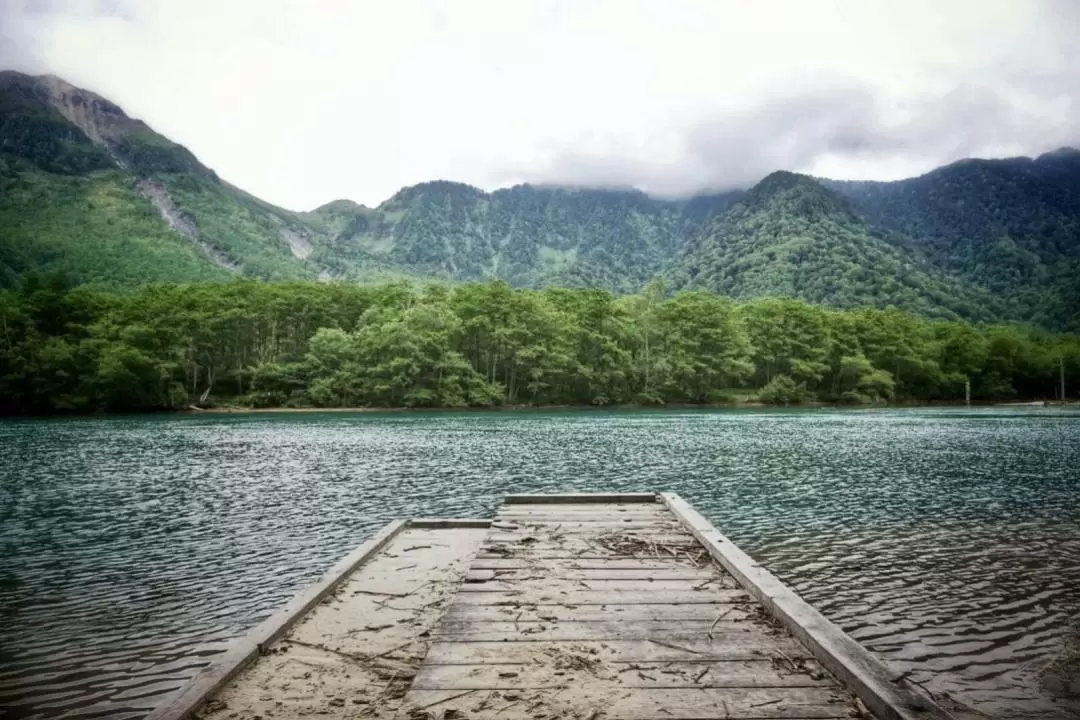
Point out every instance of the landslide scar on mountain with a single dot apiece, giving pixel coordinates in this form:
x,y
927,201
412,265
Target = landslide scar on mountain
x,y
159,197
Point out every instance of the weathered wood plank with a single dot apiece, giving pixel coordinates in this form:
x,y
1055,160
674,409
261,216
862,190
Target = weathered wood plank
x,y
854,665
440,523
585,507
695,556
579,516
485,631
591,613
660,526
718,674
571,543
607,511
584,562
641,703
600,597
580,498
444,652
581,608
551,586
551,573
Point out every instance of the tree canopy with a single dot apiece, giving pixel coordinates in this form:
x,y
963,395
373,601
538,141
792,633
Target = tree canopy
x,y
66,348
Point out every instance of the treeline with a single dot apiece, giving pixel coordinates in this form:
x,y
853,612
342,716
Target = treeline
x,y
335,345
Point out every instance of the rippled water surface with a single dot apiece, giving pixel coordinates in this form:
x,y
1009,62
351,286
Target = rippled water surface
x,y
134,549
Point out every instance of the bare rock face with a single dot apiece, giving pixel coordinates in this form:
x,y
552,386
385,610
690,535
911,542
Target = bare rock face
x,y
159,196
299,241
102,121
301,246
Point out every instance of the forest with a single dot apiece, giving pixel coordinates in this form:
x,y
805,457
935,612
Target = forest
x,y
306,344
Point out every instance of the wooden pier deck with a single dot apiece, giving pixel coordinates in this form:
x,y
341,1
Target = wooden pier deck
x,y
611,610
563,607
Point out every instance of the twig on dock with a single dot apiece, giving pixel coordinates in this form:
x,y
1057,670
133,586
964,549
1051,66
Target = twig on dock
x,y
388,684
384,653
506,707
718,619
391,594
794,667
701,674
444,700
661,643
320,646
417,547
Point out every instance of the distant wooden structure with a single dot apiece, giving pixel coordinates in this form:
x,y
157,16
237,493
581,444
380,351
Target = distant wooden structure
x,y
586,607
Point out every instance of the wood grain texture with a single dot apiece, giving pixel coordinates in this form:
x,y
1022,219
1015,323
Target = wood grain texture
x,y
639,703
593,613
609,652
711,673
605,608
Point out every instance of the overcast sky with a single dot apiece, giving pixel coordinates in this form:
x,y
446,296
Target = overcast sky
x,y
305,101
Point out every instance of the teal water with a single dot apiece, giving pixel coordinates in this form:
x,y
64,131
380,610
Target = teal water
x,y
133,549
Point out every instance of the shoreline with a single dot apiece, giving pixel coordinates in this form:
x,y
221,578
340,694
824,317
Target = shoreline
x,y
193,410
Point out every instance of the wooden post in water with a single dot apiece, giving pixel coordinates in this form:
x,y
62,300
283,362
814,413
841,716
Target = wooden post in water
x,y
1061,362
967,392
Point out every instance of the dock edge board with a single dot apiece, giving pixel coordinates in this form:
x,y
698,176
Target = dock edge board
x,y
440,523
212,678
576,498
862,672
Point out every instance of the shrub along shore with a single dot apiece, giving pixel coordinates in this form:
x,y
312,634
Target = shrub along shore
x,y
400,345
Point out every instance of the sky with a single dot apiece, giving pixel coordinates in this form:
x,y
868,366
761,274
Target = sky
x,y
304,101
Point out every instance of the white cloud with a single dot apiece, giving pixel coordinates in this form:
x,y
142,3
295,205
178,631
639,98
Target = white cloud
x,y
301,102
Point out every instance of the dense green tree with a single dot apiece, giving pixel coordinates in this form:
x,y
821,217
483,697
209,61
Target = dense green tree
x,y
307,344
789,338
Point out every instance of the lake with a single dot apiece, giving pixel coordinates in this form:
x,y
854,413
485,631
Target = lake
x,y
136,548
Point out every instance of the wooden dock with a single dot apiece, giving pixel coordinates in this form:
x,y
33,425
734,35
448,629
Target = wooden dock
x,y
575,607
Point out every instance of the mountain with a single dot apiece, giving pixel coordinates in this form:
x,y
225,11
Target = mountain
x,y
530,236
1010,226
792,236
90,192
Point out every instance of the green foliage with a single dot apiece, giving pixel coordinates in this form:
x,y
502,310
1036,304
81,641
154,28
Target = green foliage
x,y
528,236
1010,226
96,229
336,345
245,231
782,390
85,206
792,237
86,190
36,132
147,153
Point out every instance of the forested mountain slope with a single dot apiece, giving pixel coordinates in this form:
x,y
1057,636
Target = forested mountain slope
x,y
793,237
100,197
1012,226
88,191
530,236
